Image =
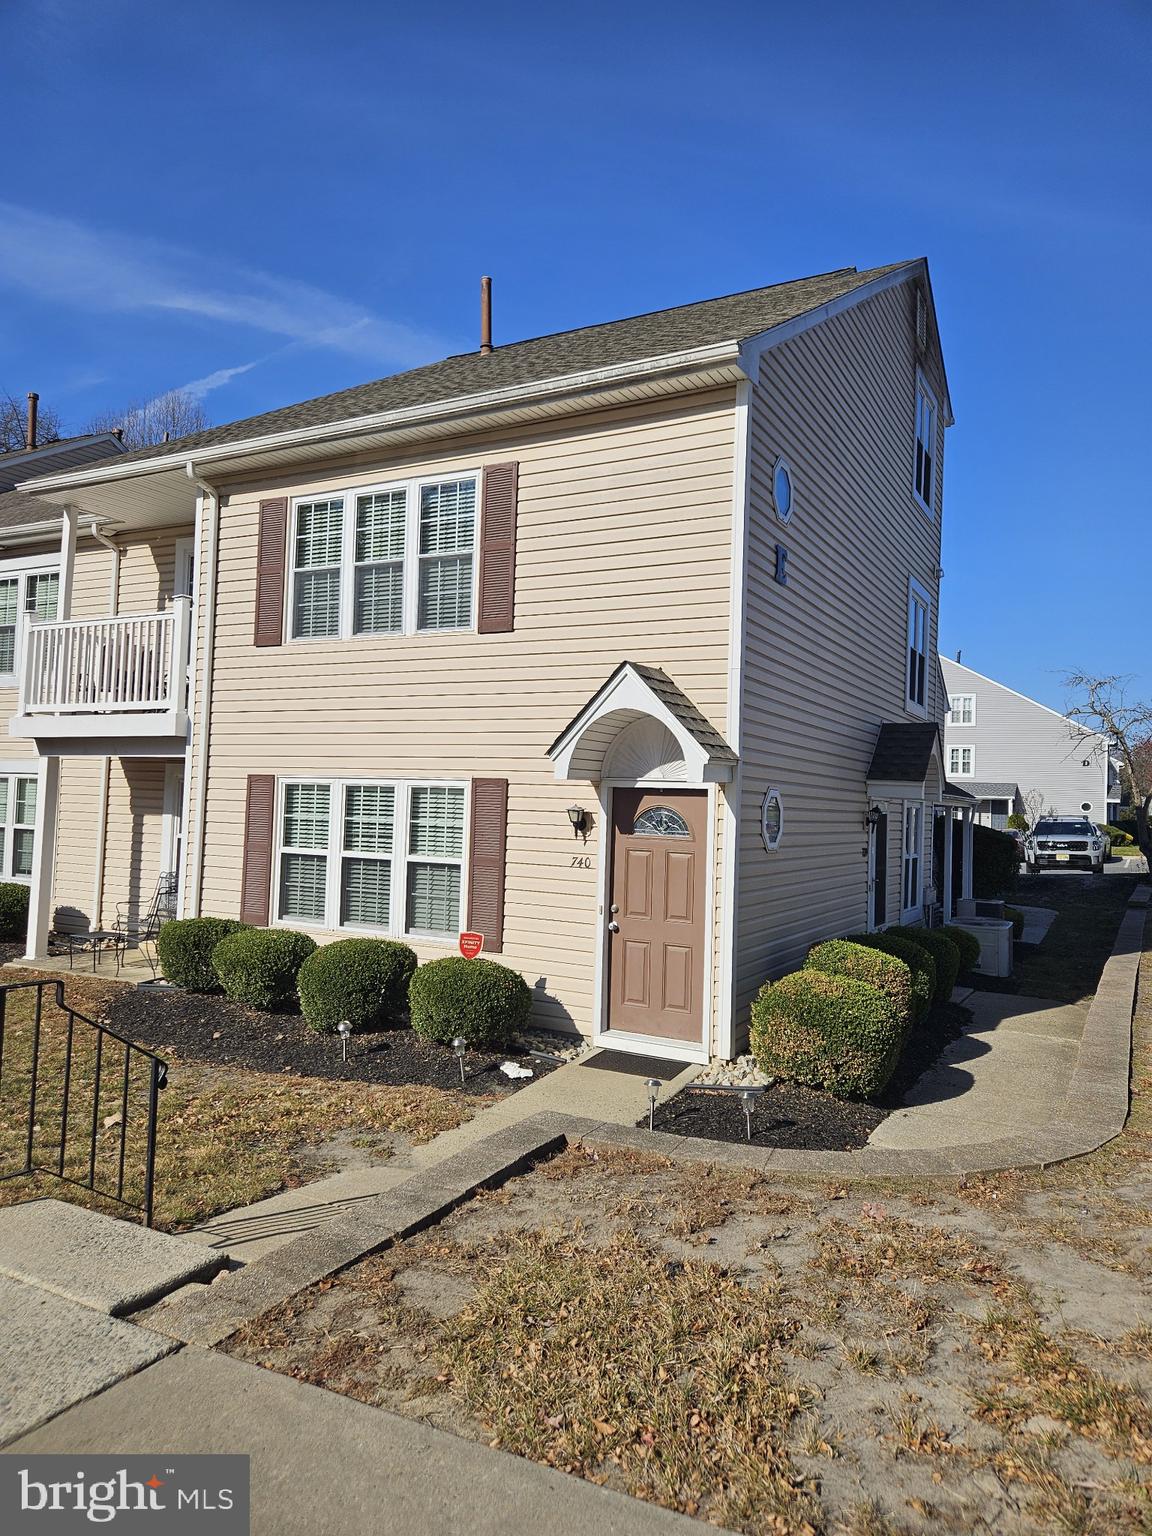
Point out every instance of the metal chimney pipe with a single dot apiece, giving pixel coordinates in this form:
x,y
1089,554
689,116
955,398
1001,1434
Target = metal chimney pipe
x,y
485,315
30,430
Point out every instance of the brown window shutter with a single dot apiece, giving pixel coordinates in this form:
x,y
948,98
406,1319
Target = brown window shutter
x,y
498,549
487,852
270,549
256,879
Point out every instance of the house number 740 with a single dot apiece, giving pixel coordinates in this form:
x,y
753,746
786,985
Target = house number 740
x,y
581,861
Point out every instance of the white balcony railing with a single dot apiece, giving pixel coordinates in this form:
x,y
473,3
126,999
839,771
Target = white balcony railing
x,y
137,664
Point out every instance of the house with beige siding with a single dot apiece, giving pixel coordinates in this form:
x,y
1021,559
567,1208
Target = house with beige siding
x,y
615,646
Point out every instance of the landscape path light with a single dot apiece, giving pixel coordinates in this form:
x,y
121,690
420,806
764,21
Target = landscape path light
x,y
653,1085
344,1029
460,1045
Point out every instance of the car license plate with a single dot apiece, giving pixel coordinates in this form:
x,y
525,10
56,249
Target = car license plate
x,y
1062,858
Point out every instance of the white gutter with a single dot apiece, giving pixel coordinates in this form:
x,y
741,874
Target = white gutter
x,y
566,384
196,806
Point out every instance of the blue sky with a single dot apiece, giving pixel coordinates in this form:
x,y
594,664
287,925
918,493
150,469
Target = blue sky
x,y
269,199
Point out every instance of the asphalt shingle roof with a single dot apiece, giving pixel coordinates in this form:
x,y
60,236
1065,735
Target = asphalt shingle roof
x,y
735,317
990,789
903,751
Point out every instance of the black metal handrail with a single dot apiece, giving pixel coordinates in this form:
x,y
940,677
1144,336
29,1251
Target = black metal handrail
x,y
59,1064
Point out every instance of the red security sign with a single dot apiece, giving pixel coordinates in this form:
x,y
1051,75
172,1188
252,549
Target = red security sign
x,y
471,944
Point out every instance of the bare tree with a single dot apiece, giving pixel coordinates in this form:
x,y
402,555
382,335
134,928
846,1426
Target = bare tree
x,y
1035,806
1102,705
145,423
14,423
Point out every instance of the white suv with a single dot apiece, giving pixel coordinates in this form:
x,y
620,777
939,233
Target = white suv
x,y
1057,840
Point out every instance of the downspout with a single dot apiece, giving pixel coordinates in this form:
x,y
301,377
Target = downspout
x,y
196,804
105,762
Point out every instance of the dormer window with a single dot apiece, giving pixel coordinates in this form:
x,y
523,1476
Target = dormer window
x,y
927,423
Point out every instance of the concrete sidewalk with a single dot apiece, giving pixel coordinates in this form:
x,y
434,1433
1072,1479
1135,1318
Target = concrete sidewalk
x,y
324,1465
1009,1071
587,1092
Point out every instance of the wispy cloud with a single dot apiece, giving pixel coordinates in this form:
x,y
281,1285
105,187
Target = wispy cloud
x,y
97,270
198,388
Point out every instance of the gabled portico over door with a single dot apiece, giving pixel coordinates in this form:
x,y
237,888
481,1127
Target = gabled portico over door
x,y
656,765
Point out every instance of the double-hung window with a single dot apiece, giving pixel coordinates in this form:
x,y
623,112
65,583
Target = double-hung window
x,y
33,591
927,421
962,709
17,825
387,560
961,762
375,855
913,855
919,633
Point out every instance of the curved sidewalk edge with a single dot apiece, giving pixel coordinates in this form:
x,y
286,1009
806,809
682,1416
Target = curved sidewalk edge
x,y
1093,1112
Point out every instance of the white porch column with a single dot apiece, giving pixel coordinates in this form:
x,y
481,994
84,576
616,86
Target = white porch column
x,y
966,866
43,861
67,562
949,822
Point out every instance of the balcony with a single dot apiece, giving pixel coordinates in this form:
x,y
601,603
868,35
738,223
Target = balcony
x,y
98,685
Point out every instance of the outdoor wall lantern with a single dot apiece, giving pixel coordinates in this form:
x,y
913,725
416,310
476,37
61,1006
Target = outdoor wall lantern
x,y
578,816
873,817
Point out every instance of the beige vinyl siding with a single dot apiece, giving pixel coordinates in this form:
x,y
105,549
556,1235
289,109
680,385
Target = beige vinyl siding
x,y
826,654
623,552
132,840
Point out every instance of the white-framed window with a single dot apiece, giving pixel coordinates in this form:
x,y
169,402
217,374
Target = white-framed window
x,y
371,855
18,796
919,631
927,425
393,559
962,709
961,762
913,858
26,587
783,489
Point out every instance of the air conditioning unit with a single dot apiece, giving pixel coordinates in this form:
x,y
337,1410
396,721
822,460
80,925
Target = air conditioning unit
x,y
994,935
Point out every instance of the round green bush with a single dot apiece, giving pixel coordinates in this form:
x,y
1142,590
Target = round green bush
x,y
258,966
944,952
481,1001
362,980
185,946
892,942
13,910
968,945
1017,822
840,958
827,1031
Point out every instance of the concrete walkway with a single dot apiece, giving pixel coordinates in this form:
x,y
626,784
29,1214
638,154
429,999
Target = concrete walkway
x,y
585,1091
324,1465
1009,1072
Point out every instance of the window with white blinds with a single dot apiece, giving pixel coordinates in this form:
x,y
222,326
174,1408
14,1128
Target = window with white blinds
x,y
386,857
385,560
32,592
18,794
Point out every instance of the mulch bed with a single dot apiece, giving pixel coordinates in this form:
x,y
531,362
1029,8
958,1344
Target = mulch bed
x,y
788,1115
198,1027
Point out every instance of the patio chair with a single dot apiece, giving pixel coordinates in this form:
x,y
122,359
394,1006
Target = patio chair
x,y
130,929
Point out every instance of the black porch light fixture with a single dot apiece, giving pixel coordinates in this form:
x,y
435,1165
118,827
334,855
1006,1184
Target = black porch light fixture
x,y
873,817
579,819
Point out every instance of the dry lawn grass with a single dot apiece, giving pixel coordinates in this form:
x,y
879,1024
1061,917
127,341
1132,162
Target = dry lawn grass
x,y
774,1356
224,1138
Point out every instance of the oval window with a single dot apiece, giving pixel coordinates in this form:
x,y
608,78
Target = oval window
x,y
1086,805
772,820
660,821
782,489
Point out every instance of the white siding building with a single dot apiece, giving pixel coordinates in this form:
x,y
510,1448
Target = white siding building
x,y
1013,754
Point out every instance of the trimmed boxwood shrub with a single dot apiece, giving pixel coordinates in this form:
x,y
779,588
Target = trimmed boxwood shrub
x,y
1118,835
481,1001
1016,918
838,957
968,945
185,946
362,980
944,952
13,910
258,966
827,1031
917,959
1018,823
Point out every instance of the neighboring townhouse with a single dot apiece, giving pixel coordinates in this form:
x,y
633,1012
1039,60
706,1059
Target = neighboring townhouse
x,y
615,646
1015,756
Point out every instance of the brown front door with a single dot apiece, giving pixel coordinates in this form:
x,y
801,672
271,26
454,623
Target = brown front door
x,y
657,898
